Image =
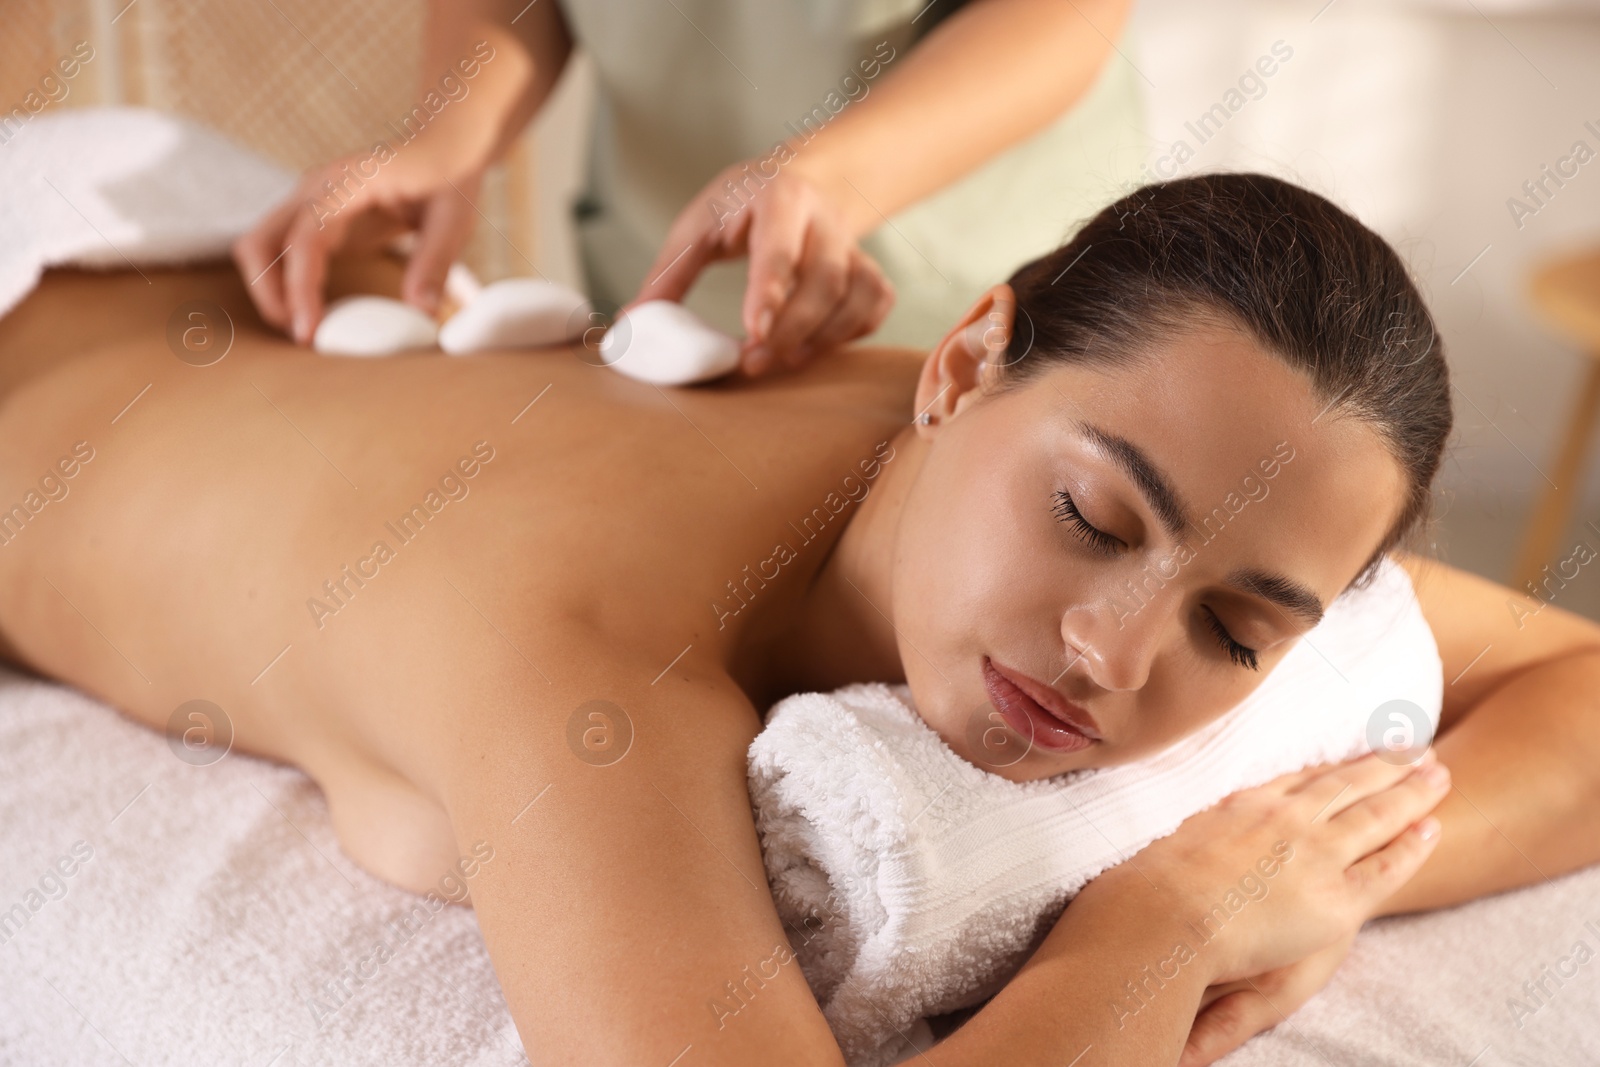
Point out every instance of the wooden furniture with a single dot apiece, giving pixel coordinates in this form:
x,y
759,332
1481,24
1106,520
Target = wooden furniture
x,y
1566,295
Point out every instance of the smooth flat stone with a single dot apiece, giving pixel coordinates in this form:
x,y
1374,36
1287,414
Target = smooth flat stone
x,y
516,313
372,326
665,343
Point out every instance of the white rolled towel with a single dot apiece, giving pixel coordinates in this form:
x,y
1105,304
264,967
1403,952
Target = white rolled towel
x,y
914,883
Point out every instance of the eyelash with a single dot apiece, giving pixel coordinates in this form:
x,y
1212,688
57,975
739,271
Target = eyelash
x,y
1066,510
1241,656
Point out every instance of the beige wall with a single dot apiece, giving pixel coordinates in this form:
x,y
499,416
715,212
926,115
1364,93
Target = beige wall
x,y
1423,119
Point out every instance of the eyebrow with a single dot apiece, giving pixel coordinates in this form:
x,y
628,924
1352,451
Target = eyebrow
x,y
1158,492
1280,591
1155,487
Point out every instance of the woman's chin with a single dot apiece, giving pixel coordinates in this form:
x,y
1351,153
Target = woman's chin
x,y
990,744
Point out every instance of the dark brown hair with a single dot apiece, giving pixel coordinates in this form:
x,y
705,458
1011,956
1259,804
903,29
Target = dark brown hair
x,y
1308,282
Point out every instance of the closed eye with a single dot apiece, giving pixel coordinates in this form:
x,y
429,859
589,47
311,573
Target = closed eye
x,y
1241,656
1067,511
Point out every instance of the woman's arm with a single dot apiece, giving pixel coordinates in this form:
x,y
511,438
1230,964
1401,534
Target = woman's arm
x,y
1520,731
535,43
990,75
630,922
987,77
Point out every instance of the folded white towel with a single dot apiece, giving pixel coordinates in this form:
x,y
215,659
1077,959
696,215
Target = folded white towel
x,y
116,186
915,883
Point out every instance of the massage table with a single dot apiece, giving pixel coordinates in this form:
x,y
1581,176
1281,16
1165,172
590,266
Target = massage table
x,y
217,921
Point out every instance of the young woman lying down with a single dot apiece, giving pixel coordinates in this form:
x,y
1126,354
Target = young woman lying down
x,y
578,533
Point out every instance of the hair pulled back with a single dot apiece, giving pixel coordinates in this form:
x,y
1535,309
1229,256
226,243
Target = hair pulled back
x,y
1305,279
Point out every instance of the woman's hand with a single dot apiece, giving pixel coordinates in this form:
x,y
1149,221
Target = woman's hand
x,y
1270,876
1256,885
809,287
1237,1011
357,203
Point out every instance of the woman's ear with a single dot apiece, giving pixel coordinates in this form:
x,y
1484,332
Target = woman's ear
x,y
966,360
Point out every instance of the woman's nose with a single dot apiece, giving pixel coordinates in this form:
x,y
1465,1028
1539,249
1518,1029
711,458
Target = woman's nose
x,y
1112,643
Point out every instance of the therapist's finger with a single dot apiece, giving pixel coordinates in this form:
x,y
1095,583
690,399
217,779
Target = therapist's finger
x,y
447,222
823,281
259,258
309,246
678,264
698,236
778,240
864,307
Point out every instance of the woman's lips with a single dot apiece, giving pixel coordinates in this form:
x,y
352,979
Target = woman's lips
x,y
1032,720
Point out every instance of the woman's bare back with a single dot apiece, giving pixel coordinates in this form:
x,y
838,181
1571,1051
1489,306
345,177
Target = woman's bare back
x,y
353,559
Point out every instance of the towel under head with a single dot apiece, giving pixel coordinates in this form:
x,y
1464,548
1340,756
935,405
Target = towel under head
x,y
914,883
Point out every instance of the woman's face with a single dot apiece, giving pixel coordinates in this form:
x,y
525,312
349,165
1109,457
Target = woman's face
x,y
1136,545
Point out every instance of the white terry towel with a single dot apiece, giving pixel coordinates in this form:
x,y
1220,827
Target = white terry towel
x,y
217,908
915,883
112,187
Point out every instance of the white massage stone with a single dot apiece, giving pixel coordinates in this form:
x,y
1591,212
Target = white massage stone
x,y
372,326
516,313
665,343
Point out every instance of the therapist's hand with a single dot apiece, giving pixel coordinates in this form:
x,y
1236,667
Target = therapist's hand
x,y
809,286
284,259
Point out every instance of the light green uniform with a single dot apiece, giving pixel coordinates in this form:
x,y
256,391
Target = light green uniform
x,y
687,87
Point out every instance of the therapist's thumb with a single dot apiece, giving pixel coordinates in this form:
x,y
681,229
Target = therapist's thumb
x,y
447,221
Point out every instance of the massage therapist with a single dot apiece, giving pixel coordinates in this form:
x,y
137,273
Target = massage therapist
x,y
878,163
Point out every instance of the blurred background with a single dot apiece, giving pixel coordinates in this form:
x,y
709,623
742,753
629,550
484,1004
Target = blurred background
x,y
1425,118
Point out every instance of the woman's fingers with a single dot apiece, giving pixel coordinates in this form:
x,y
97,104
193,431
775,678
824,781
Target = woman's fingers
x,y
867,301
259,257
447,221
1337,787
308,246
1258,1003
1227,1023
807,284
1379,875
1375,820
782,238
285,258
704,231
678,264
822,283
